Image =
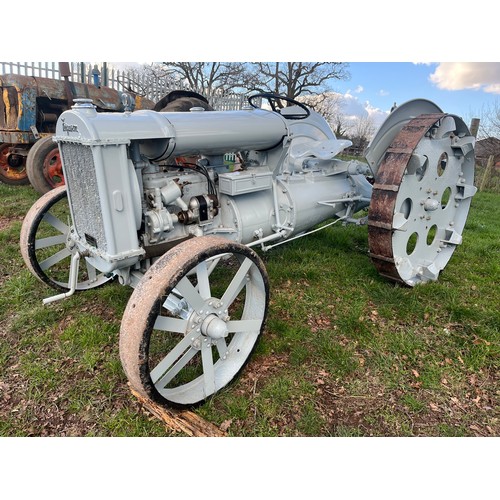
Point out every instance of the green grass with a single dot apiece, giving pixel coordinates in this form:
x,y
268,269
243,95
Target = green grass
x,y
344,353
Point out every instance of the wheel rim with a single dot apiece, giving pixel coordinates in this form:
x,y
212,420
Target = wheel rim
x,y
45,247
202,326
52,168
421,199
9,172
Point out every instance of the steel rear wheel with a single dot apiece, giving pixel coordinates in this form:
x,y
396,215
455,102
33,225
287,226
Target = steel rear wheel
x,y
193,320
421,198
45,247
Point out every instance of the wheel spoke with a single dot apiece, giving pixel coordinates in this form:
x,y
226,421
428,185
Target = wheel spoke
x,y
244,325
169,324
171,358
178,366
208,370
54,259
56,223
213,263
237,283
189,292
221,347
203,282
50,241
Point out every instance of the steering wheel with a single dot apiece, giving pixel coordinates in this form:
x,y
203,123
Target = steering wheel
x,y
274,98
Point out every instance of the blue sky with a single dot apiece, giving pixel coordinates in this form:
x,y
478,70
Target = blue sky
x,y
464,89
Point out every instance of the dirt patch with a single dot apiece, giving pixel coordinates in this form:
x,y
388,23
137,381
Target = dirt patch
x,y
347,407
256,372
54,416
39,398
6,222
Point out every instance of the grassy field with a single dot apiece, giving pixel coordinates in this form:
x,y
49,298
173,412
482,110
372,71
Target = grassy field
x,y
344,353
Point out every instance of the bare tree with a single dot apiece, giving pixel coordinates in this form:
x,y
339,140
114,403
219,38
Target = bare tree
x,y
140,80
291,79
361,131
329,105
489,126
208,77
294,79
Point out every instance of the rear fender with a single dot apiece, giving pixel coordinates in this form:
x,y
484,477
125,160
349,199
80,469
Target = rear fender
x,y
392,125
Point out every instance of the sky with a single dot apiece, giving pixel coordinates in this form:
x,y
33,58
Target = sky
x,y
463,89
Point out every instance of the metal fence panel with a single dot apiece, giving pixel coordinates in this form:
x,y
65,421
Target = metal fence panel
x,y
120,80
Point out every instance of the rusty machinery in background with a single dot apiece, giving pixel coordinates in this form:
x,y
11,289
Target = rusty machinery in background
x,y
29,109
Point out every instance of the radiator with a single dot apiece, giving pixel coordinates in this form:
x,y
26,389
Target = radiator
x,y
83,193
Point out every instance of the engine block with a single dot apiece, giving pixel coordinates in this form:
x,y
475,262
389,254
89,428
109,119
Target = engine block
x,y
131,197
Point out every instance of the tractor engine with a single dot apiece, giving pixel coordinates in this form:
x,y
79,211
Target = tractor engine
x,y
140,182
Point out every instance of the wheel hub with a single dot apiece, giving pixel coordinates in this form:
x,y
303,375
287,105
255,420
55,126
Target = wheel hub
x,y
210,322
214,327
14,160
430,205
52,169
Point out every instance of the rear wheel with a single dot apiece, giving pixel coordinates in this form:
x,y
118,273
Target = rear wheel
x,y
421,198
12,166
44,167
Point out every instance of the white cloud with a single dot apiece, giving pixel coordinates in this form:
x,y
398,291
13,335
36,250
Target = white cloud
x,y
353,109
493,89
473,76
383,93
377,115
357,90
351,105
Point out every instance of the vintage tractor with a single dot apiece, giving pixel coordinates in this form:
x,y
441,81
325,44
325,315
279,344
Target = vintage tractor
x,y
29,109
185,236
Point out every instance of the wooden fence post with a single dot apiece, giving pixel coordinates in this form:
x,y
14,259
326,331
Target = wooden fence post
x,y
474,126
487,173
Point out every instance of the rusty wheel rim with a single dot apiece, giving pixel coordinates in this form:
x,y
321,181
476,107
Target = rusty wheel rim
x,y
52,168
9,172
421,199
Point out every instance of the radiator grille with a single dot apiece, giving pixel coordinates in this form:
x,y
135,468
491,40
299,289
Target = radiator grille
x,y
83,193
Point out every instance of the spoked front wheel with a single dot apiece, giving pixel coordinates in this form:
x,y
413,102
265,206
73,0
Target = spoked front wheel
x,y
193,320
45,246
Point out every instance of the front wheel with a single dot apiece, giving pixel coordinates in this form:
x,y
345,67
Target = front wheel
x,y
45,247
193,321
